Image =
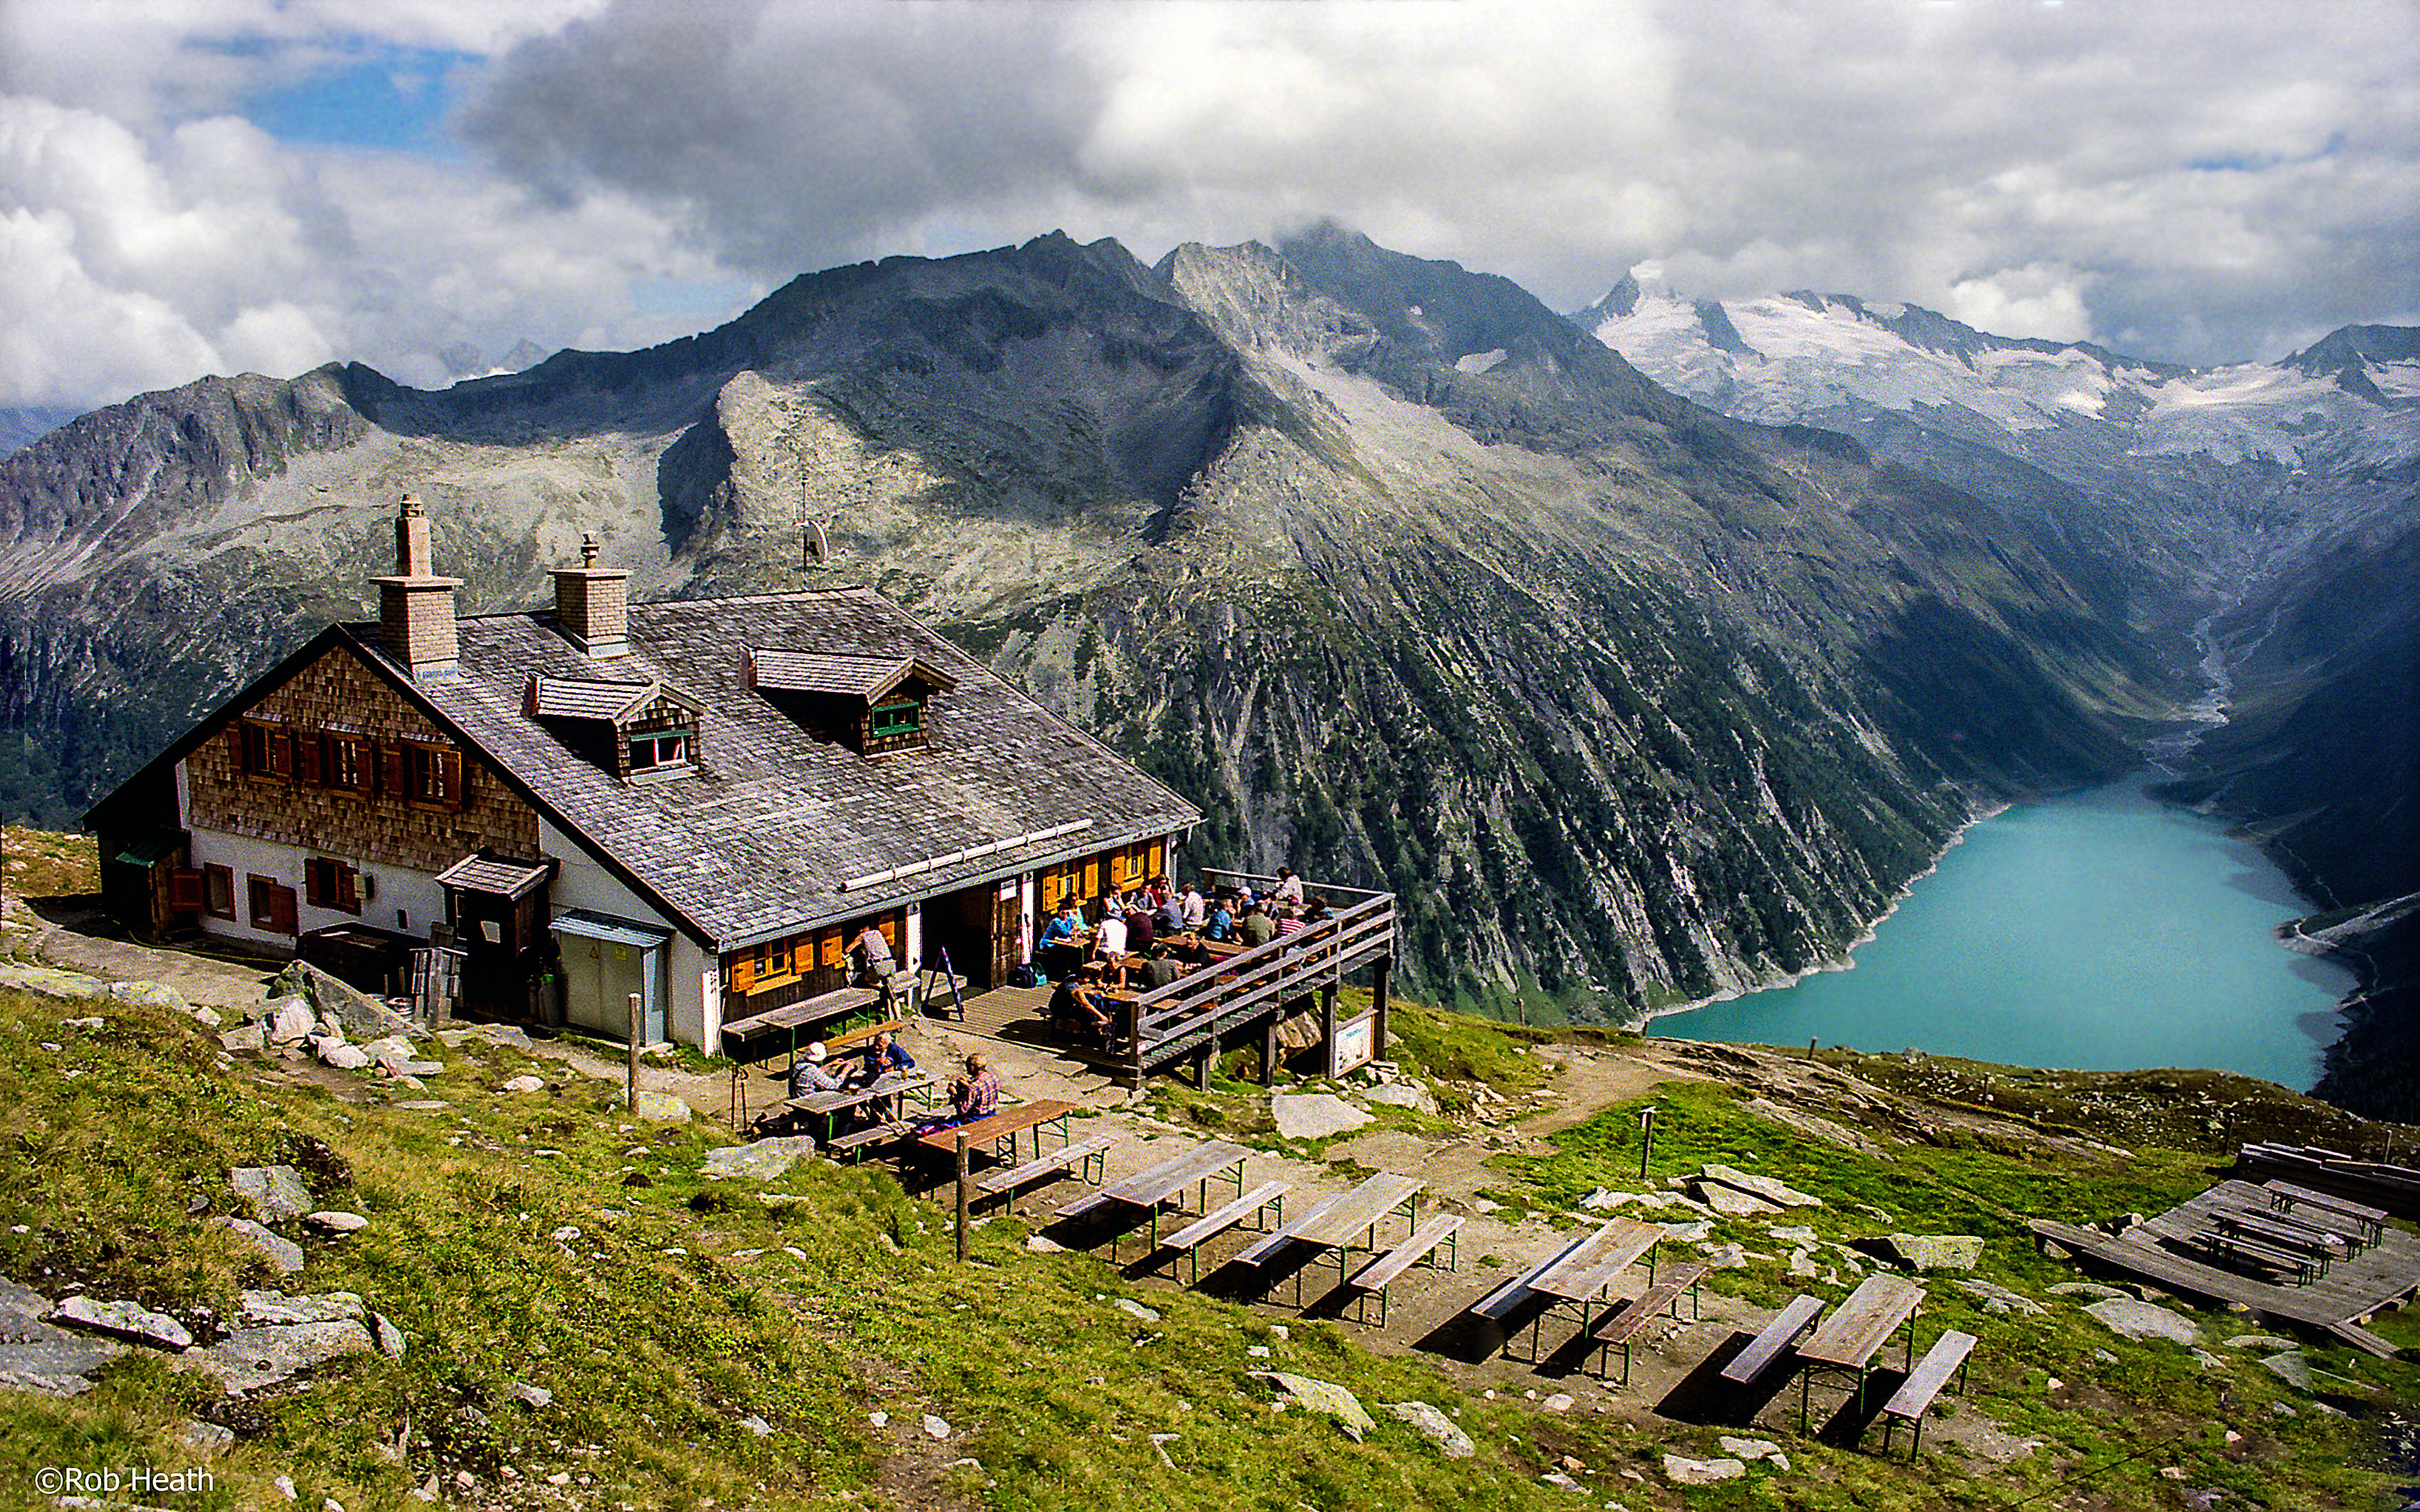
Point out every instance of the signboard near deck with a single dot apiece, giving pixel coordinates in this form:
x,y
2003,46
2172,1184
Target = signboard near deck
x,y
1355,1044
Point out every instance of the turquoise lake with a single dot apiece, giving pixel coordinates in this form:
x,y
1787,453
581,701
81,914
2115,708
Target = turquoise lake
x,y
2102,931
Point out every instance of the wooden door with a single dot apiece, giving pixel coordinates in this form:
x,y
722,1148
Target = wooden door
x,y
1007,934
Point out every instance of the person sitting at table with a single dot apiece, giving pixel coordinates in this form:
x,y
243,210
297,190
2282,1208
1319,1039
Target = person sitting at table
x,y
1140,933
1076,1005
972,1097
1256,928
1057,943
1169,917
883,1055
1288,887
1110,946
813,1075
1162,969
1220,925
1289,921
1196,908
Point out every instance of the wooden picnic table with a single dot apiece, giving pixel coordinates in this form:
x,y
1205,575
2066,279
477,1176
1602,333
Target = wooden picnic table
x,y
1580,1275
1359,1212
1006,1124
2287,1234
1152,1188
2371,1221
829,1106
1848,1339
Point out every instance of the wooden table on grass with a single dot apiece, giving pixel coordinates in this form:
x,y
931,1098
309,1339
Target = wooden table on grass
x,y
1351,1221
830,1105
1580,1277
1858,1328
1151,1189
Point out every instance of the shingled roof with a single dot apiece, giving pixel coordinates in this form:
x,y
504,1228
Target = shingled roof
x,y
779,830
817,672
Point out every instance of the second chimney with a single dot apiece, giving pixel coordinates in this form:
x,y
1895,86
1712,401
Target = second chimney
x,y
591,605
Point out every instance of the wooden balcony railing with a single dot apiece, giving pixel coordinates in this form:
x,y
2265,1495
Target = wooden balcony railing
x,y
1188,1014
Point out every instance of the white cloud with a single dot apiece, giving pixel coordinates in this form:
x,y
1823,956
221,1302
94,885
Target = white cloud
x,y
2202,181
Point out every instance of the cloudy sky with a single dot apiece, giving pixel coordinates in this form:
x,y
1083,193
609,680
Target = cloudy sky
x,y
198,186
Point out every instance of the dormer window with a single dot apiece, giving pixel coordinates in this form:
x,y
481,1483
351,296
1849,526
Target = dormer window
x,y
873,704
636,731
662,751
902,719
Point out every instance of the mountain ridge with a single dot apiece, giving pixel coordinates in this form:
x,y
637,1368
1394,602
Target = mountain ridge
x,y
1381,561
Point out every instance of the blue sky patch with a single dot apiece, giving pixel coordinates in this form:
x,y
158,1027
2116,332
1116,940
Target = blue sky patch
x,y
395,100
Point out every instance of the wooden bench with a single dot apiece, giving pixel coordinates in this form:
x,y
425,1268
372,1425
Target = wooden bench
x,y
1150,1189
1788,1326
1915,1395
1419,1245
1087,1160
1623,1327
1188,1240
2257,1251
855,1143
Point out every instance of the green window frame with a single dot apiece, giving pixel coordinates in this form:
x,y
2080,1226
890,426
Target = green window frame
x,y
903,719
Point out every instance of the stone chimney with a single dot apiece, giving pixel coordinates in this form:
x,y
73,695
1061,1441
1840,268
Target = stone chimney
x,y
415,608
591,605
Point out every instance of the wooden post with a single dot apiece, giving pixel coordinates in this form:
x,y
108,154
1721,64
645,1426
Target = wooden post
x,y
1202,1060
635,1030
1327,1027
1379,973
1269,1052
962,1195
1810,1047
1646,1139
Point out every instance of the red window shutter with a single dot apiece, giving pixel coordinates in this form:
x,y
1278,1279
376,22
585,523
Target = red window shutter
x,y
312,888
185,891
306,757
395,777
449,770
234,746
348,892
281,910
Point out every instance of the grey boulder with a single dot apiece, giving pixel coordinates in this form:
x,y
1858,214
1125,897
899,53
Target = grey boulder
x,y
123,1319
275,1193
764,1160
283,1255
251,1358
1435,1426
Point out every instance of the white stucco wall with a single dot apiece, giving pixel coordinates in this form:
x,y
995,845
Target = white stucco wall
x,y
393,899
692,978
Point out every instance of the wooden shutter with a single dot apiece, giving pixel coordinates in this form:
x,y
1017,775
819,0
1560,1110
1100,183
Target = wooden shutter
x,y
348,894
831,950
185,891
1158,862
281,910
449,774
395,771
235,747
743,973
306,757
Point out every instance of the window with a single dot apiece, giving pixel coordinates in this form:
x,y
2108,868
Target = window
x,y
268,752
770,964
218,892
330,884
896,719
656,752
432,775
348,762
272,905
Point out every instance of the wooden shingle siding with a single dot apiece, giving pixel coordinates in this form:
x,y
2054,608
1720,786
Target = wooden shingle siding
x,y
384,826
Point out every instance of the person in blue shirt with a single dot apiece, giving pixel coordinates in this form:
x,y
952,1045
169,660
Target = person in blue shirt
x,y
1221,925
1055,954
883,1055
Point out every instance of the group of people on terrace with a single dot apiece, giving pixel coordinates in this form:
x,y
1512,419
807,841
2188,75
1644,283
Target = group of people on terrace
x,y
1153,936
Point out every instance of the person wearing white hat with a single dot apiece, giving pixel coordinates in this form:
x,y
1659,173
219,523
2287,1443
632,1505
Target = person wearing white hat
x,y
811,1074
